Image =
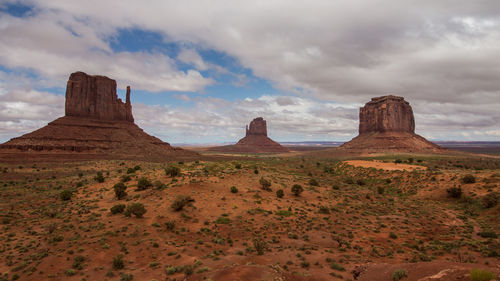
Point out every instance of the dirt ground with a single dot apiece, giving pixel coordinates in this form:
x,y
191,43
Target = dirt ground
x,y
349,219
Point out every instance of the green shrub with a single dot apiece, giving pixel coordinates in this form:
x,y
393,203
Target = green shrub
x,y
297,189
361,182
393,235
468,179
120,190
280,193
324,210
259,245
336,266
172,171
399,274
313,182
144,183
398,161
159,185
255,171
77,262
234,189
481,275
66,195
170,225
380,189
136,209
130,170
70,272
125,178
118,262
490,200
117,209
99,177
223,220
454,192
487,234
181,201
265,184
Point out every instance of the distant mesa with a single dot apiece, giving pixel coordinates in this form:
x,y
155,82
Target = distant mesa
x,y
255,140
387,124
97,125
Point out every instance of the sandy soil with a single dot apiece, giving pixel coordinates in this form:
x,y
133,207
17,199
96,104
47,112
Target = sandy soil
x,y
383,165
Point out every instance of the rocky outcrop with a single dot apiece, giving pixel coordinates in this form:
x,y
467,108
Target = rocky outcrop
x,y
255,140
386,114
97,125
386,124
95,97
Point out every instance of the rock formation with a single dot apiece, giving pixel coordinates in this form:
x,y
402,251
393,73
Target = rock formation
x,y
387,124
96,125
255,140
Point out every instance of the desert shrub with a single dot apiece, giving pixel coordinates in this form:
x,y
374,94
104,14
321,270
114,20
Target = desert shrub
x,y
335,187
237,166
324,210
490,200
130,170
313,182
170,225
120,190
481,275
137,167
410,160
234,189
265,184
144,183
118,262
398,161
77,262
181,201
454,192
336,266
136,209
99,177
297,189
117,209
380,189
172,171
399,274
259,245
66,195
126,277
223,220
487,234
468,179
125,178
159,185
393,235
255,171
280,193
388,181
70,272
349,181
361,182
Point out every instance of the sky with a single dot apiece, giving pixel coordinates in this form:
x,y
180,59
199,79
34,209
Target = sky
x,y
201,70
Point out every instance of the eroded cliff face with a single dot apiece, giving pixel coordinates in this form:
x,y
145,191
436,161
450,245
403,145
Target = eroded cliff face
x,y
386,124
386,114
258,127
95,97
255,140
97,125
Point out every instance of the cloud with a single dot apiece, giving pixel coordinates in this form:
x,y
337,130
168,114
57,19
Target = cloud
x,y
54,44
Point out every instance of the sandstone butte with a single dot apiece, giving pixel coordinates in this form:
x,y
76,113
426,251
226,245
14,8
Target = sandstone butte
x,y
97,125
255,140
387,124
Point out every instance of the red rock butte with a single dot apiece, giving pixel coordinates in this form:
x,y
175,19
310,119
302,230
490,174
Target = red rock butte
x,y
97,125
255,140
387,124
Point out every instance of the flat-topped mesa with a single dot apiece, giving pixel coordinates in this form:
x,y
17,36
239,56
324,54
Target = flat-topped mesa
x,y
386,114
258,127
95,97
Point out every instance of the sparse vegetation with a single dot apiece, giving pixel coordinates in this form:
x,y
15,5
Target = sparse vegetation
x,y
481,275
117,209
468,179
297,189
454,192
181,201
136,209
172,171
280,193
66,195
265,184
144,183
234,189
120,190
399,274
